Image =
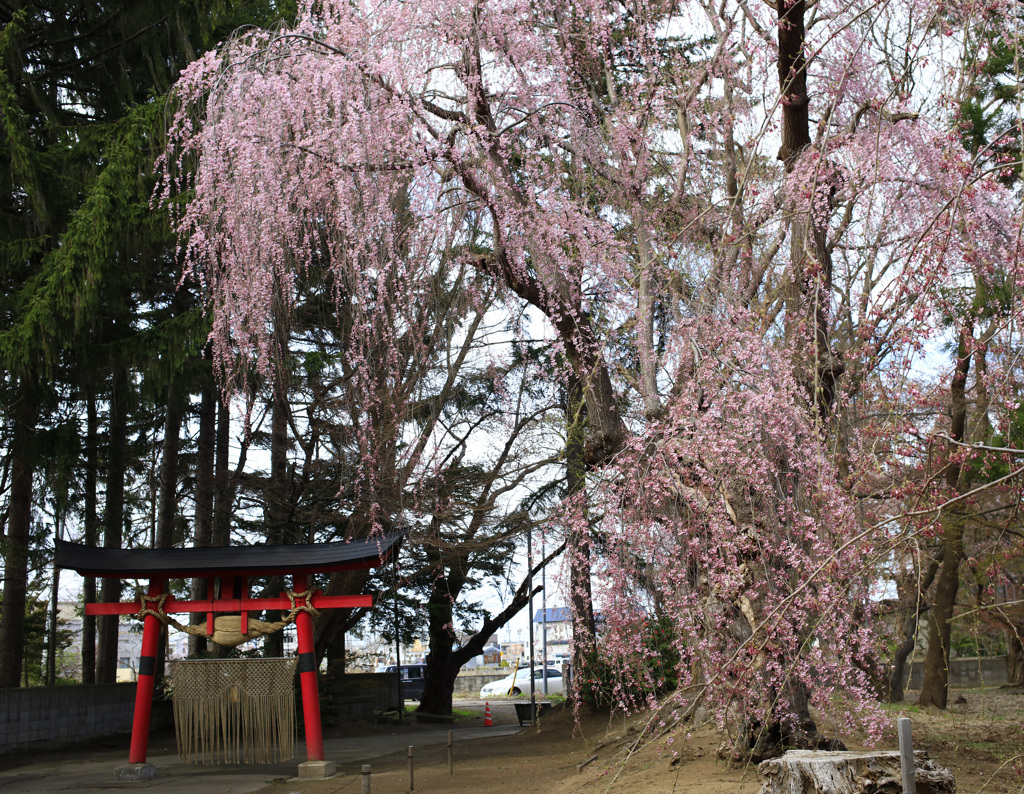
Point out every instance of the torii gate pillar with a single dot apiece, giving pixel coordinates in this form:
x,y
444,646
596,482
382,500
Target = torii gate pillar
x,y
151,629
307,678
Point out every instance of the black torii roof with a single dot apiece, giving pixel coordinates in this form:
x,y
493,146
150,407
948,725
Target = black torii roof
x,y
228,560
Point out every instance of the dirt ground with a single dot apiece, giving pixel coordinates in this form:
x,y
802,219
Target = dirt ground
x,y
980,737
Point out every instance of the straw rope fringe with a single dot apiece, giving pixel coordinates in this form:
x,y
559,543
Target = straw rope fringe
x,y
234,711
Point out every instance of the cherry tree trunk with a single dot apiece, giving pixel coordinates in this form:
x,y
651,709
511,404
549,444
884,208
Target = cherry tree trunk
x,y
444,661
894,690
578,546
440,683
810,772
441,664
1015,655
334,649
935,687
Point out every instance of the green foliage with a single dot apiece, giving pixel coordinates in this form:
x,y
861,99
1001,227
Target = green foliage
x,y
328,703
654,671
72,283
967,642
400,613
986,468
988,114
15,122
36,643
89,273
83,114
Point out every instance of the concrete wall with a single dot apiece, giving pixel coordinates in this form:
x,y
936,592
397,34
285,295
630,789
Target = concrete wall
x,y
969,672
384,687
350,691
356,695
469,684
69,713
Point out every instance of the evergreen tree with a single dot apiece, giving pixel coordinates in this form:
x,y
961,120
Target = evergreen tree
x,y
86,266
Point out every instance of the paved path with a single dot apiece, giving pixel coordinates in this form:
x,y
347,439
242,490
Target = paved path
x,y
92,770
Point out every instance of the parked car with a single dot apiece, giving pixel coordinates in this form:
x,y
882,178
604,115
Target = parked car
x,y
518,683
413,679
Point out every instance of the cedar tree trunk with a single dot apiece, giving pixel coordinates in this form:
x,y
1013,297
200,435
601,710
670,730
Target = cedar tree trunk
x,y
205,487
19,525
113,522
224,497
167,509
92,535
275,509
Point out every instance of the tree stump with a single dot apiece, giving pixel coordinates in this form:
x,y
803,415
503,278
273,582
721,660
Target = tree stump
x,y
815,772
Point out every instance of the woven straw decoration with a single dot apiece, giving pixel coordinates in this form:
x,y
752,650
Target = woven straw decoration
x,y
234,710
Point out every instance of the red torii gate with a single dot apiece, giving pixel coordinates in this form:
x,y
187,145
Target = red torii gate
x,y
227,570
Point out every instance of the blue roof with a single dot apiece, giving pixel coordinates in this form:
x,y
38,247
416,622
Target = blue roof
x,y
554,615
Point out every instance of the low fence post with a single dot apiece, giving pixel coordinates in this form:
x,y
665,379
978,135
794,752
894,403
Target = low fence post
x,y
412,782
906,755
451,763
366,779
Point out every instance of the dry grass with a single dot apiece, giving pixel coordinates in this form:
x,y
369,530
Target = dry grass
x,y
980,737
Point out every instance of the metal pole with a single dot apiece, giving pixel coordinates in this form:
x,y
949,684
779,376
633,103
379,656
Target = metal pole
x,y
906,756
398,645
51,631
412,783
515,678
544,617
529,561
366,779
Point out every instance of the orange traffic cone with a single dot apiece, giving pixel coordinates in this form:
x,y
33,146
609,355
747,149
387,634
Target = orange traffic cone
x,y
488,722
